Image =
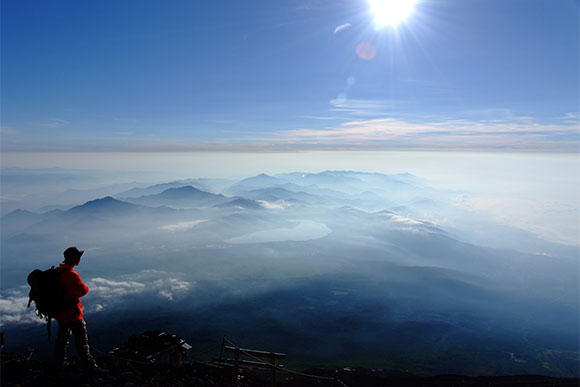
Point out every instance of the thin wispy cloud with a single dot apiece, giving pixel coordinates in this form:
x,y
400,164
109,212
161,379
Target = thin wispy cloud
x,y
52,123
364,107
222,121
352,125
365,134
572,118
342,27
8,131
449,134
323,118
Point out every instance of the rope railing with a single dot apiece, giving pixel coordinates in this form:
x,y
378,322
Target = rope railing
x,y
119,357
277,367
203,352
280,368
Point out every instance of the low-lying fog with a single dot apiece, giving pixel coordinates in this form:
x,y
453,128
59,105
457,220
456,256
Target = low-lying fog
x,y
391,270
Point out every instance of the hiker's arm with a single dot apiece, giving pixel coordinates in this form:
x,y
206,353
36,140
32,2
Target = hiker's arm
x,y
76,288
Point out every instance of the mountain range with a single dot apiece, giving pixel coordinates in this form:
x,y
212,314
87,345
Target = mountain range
x,y
331,267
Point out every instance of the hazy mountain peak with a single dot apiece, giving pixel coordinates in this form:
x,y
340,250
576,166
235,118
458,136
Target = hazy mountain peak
x,y
20,212
107,203
260,181
107,200
262,178
184,189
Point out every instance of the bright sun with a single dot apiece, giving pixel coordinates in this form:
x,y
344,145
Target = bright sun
x,y
390,12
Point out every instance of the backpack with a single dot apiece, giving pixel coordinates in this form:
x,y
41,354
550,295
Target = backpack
x,y
48,294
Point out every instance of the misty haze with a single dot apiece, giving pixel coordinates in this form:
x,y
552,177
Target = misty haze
x,y
336,267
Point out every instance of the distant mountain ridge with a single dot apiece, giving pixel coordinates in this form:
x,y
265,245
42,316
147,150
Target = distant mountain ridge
x,y
186,196
107,204
152,190
342,263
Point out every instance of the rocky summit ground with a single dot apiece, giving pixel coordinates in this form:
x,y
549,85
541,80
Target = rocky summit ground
x,y
19,371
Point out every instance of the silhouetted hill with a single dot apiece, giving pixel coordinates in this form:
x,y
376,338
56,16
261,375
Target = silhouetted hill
x,y
21,218
262,179
106,204
256,182
187,196
152,190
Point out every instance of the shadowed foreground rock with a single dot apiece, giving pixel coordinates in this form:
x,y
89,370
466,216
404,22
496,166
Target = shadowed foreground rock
x,y
18,371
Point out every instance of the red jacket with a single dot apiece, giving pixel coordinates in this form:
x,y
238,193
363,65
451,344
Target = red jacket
x,y
74,289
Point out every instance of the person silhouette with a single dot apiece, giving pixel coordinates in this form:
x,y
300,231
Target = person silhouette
x,y
70,317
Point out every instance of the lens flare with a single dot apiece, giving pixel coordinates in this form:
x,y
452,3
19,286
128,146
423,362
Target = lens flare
x,y
390,12
366,50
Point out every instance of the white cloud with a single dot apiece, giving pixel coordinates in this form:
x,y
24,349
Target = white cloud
x,y
103,293
277,205
182,226
407,221
170,287
342,27
13,308
104,288
107,292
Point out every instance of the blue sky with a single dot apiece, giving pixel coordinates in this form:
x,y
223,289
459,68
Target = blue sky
x,y
255,76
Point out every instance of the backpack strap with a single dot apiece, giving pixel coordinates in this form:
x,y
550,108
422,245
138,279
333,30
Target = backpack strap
x,y
61,272
49,319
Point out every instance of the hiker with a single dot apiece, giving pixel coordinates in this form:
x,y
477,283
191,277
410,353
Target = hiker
x,y
70,317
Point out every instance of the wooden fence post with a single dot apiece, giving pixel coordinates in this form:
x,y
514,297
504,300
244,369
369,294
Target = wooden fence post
x,y
237,362
273,362
236,368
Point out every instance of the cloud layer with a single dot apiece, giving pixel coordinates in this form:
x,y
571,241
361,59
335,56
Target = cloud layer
x,y
359,125
105,294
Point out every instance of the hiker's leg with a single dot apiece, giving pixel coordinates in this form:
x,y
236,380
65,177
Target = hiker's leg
x,y
61,343
82,344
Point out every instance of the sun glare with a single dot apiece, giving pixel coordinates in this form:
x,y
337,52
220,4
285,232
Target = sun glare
x,y
390,12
